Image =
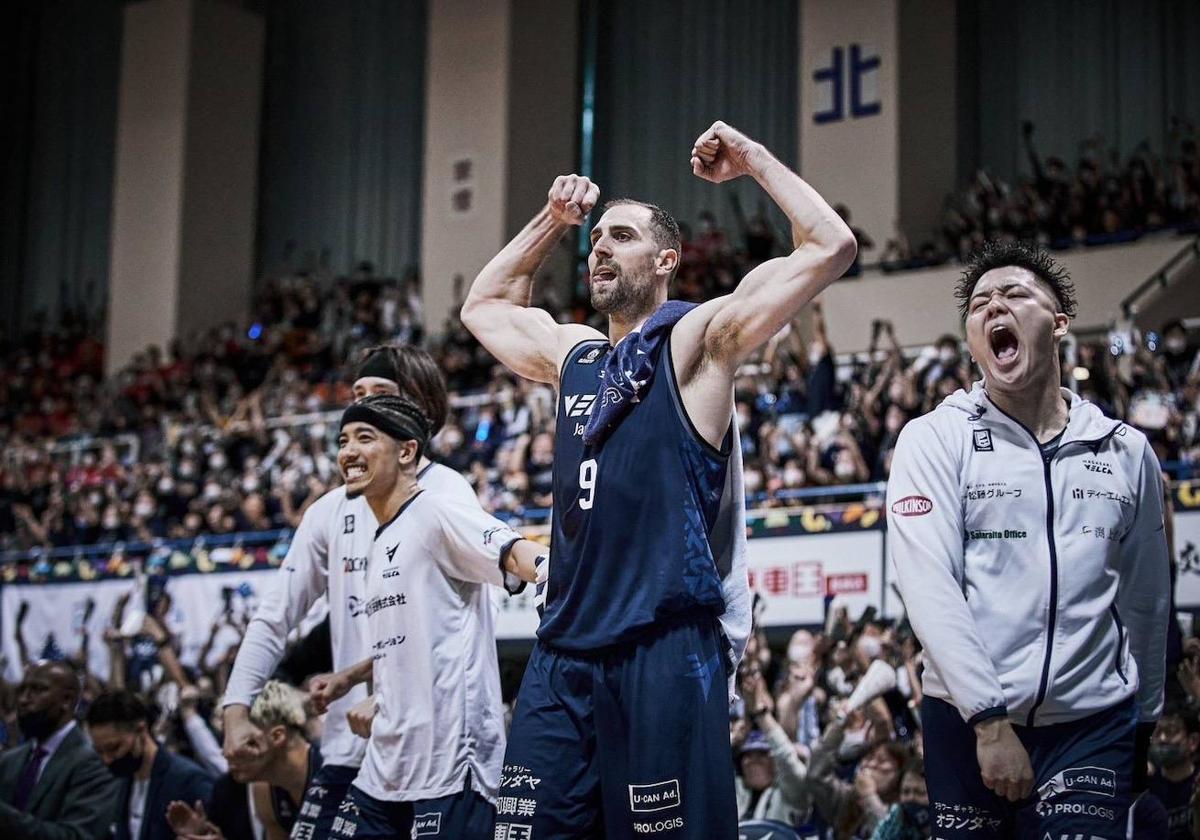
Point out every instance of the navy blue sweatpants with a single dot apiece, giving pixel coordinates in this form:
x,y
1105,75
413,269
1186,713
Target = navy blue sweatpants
x,y
628,743
1082,770
462,816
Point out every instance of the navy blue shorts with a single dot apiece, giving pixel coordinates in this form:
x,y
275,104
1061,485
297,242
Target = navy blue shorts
x,y
628,743
462,816
321,800
1082,770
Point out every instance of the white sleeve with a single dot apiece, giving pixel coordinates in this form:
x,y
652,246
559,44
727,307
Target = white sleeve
x,y
472,542
925,550
448,482
300,581
1144,592
729,548
204,744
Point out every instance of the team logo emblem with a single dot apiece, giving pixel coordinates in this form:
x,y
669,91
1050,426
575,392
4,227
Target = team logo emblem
x,y
982,440
912,506
348,528
580,405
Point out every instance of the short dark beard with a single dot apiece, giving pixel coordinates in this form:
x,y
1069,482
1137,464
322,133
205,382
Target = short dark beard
x,y
628,299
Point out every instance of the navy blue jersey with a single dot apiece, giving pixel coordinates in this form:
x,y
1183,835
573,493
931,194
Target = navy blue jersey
x,y
633,516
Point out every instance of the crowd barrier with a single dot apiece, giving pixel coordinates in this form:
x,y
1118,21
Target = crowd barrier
x,y
801,561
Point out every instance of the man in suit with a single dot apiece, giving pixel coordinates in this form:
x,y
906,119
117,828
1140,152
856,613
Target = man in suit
x,y
149,775
53,787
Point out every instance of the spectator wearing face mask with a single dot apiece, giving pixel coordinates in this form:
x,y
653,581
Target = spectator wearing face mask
x,y
1172,753
1178,353
947,362
909,819
149,775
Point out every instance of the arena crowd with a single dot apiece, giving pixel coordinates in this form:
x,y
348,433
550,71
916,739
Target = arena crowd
x,y
231,431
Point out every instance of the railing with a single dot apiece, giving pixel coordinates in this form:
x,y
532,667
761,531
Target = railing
x,y
1160,279
127,446
794,499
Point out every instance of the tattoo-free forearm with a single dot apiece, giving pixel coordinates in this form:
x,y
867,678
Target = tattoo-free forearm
x,y
508,276
812,219
522,559
359,673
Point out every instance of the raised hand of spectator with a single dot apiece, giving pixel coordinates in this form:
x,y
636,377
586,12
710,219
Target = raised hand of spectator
x,y
189,699
360,717
756,695
153,628
864,782
801,680
1189,679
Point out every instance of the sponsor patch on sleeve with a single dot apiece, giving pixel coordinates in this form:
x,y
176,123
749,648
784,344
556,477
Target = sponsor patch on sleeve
x,y
912,506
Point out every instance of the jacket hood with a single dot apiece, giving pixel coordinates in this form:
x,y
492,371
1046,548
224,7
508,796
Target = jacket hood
x,y
1086,422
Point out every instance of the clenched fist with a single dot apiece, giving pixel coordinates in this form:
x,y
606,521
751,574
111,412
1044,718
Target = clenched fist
x,y
723,153
572,197
325,689
1003,761
360,716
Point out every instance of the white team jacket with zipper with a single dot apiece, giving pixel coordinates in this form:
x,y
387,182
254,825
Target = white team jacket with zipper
x,y
1038,585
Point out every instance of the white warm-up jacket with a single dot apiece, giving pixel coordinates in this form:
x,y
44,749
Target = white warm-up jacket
x,y
1038,584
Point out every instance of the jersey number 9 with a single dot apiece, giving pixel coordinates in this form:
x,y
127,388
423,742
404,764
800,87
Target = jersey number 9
x,y
587,482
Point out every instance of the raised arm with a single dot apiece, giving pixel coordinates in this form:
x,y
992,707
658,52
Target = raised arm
x,y
497,311
728,329
300,581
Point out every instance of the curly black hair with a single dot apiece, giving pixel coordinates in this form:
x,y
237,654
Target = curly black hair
x,y
997,254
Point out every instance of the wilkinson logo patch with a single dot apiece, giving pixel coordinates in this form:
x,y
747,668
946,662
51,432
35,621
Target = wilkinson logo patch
x,y
912,506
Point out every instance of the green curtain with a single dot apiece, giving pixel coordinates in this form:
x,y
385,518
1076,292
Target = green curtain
x,y
666,70
343,132
1080,69
58,106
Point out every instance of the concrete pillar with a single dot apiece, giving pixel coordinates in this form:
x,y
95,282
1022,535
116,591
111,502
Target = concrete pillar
x,y
878,115
186,172
501,122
